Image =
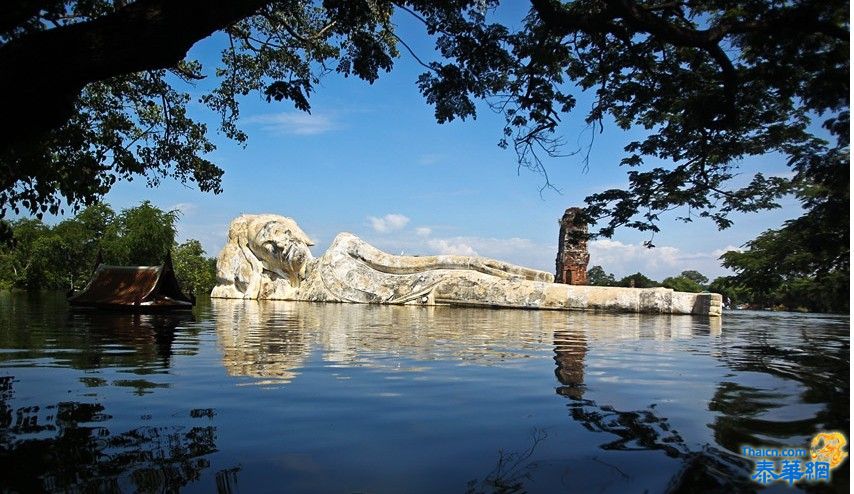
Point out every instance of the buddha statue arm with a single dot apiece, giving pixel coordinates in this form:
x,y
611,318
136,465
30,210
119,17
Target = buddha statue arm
x,y
392,264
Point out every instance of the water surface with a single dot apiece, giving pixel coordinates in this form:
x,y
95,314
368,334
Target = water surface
x,y
303,397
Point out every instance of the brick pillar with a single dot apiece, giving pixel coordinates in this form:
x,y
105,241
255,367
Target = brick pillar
x,y
572,255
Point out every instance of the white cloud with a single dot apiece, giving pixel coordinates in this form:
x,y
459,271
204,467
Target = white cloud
x,y
722,251
658,263
388,223
303,124
423,231
451,247
514,249
184,208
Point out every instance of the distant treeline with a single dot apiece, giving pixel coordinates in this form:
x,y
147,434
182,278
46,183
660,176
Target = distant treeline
x,y
35,256
814,294
687,281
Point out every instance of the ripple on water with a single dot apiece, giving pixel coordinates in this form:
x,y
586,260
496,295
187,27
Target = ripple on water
x,y
330,397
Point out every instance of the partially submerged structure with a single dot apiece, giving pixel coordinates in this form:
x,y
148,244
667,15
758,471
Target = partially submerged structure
x,y
133,288
267,257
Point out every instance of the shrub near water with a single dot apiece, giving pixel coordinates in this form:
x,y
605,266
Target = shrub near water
x,y
36,256
196,273
682,283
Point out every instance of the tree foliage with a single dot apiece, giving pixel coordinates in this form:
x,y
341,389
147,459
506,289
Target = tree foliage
x,y
687,281
195,271
94,94
806,263
695,276
37,256
596,276
638,280
710,83
140,236
99,90
682,283
733,293
19,249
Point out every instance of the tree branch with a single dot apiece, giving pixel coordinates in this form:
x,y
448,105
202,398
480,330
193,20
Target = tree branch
x,y
412,52
13,13
641,20
52,67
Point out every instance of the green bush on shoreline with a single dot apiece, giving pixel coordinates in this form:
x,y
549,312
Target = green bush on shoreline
x,y
35,256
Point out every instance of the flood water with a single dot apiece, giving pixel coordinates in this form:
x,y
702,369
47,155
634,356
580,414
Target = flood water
x,y
302,397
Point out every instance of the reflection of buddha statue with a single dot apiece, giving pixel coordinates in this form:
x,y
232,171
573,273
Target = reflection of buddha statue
x,y
268,257
261,340
272,340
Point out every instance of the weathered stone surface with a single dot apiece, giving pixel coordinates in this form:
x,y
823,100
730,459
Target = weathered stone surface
x,y
268,257
265,257
572,255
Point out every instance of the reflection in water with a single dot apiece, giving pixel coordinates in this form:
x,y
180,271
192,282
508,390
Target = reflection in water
x,y
382,398
709,469
272,340
799,387
150,335
43,327
261,340
143,341
46,333
570,349
226,481
71,445
752,413
67,446
510,472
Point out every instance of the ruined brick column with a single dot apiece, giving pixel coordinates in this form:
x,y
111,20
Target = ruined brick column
x,y
572,255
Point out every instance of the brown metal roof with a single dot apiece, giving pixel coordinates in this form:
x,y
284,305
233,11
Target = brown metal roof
x,y
120,285
131,285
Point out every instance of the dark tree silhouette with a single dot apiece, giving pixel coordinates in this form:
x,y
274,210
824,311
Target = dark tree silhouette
x,y
88,98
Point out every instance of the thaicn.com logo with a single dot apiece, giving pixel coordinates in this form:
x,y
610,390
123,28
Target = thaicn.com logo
x,y
797,464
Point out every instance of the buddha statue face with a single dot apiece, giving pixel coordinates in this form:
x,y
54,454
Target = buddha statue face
x,y
280,245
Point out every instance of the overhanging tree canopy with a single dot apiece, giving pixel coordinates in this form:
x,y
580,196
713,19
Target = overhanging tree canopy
x,y
88,99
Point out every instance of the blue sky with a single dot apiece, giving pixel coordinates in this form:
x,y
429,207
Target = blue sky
x,y
371,160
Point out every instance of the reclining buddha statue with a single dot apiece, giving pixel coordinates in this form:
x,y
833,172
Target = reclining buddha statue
x,y
267,257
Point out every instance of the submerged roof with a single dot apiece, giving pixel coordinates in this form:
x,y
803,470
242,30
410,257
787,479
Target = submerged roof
x,y
131,285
